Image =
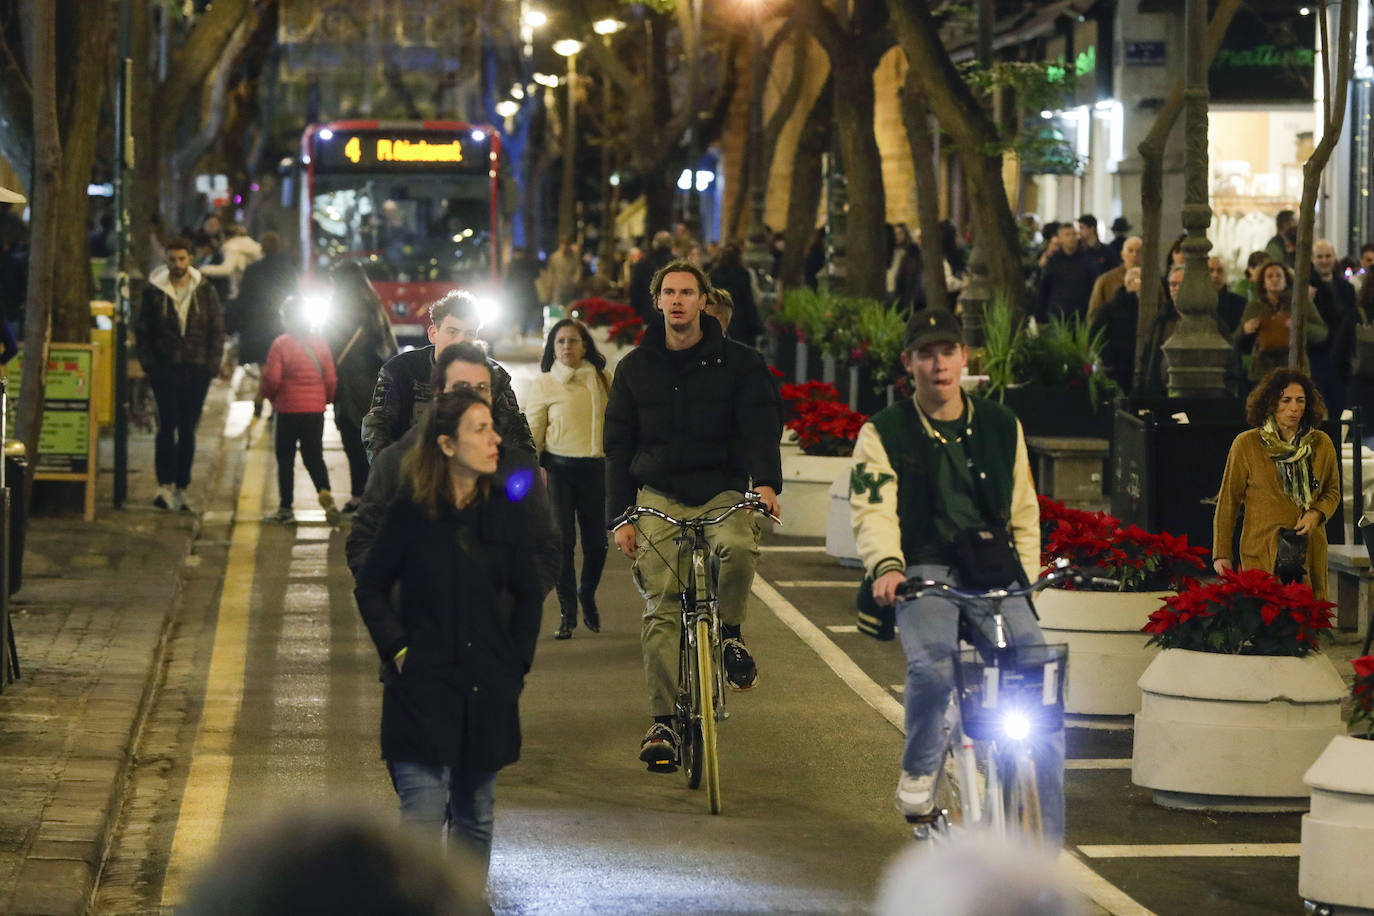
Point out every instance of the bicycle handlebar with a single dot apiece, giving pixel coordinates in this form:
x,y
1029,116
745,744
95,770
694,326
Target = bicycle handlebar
x,y
751,501
915,588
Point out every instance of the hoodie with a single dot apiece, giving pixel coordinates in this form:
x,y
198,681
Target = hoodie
x,y
161,339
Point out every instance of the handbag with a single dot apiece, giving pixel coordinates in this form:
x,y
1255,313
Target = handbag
x,y
985,559
1272,335
874,619
1290,559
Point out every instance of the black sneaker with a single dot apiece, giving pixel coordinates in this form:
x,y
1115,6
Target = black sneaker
x,y
659,748
740,671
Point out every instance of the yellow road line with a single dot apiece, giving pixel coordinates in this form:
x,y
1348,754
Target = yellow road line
x,y
207,783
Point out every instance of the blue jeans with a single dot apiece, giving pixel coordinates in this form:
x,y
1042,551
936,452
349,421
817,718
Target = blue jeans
x,y
432,796
929,630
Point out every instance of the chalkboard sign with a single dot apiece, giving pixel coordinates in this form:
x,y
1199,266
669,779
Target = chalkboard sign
x,y
67,441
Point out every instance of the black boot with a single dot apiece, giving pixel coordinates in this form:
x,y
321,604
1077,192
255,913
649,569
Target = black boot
x,y
590,614
568,623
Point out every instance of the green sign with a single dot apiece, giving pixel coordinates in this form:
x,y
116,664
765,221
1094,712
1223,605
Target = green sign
x,y
64,442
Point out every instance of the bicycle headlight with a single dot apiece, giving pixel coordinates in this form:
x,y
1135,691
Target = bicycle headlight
x,y
1016,725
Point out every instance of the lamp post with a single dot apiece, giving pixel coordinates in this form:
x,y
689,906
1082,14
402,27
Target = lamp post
x,y
756,255
569,48
610,194
1196,354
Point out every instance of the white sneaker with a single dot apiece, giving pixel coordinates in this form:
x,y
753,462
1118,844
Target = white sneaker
x,y
915,795
164,498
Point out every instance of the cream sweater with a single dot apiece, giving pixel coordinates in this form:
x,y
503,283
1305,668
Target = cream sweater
x,y
567,411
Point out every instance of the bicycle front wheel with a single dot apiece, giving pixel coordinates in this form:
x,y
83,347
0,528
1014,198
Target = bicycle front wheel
x,y
1023,797
689,712
706,682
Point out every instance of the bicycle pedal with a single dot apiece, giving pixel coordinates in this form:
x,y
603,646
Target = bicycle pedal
x,y
932,817
662,766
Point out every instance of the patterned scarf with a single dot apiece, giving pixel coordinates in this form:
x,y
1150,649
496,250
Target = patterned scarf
x,y
1294,461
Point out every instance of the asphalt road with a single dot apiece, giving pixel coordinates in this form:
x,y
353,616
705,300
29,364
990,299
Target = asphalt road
x,y
270,700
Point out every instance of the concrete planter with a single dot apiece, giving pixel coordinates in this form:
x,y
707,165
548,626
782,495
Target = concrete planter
x,y
806,481
1107,651
1338,833
1233,732
839,529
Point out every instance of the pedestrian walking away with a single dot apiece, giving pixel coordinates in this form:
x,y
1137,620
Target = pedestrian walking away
x,y
403,384
300,382
567,413
692,421
361,342
930,472
457,547
180,342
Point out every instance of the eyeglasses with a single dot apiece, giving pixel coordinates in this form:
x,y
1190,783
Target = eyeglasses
x,y
480,387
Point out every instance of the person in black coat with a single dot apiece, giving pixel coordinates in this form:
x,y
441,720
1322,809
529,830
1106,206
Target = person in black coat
x,y
693,419
361,342
255,315
642,274
1116,320
1066,283
732,276
459,639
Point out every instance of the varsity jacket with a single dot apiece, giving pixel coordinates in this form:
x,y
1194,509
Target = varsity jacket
x,y
889,487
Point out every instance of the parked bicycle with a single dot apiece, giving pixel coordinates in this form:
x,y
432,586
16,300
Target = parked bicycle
x,y
1003,698
700,703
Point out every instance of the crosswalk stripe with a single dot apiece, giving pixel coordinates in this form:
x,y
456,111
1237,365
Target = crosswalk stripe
x,y
815,583
843,628
1192,850
791,548
1097,763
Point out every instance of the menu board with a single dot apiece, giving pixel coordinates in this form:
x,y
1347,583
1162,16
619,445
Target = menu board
x,y
65,444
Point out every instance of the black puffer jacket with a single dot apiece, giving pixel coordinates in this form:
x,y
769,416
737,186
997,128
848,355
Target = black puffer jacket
x,y
713,425
404,382
468,614
160,341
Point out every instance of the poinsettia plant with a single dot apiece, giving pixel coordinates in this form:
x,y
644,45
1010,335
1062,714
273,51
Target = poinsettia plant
x,y
1139,560
1362,695
626,332
1246,612
824,425
596,312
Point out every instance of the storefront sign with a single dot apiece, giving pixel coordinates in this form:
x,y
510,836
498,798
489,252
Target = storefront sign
x,y
1144,53
67,441
1266,59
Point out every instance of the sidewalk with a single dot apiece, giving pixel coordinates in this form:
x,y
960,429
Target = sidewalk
x,y
90,623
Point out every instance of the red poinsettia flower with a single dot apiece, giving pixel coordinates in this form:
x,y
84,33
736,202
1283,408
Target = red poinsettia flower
x,y
1248,612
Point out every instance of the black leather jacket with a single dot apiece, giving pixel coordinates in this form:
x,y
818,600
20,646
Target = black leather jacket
x,y
404,382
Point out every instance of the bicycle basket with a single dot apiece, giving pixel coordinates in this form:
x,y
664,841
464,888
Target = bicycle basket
x,y
1012,692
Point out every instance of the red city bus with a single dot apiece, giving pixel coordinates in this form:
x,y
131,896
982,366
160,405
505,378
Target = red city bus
x,y
416,202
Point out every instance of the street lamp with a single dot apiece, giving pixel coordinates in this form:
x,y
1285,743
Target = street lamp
x,y
607,27
569,48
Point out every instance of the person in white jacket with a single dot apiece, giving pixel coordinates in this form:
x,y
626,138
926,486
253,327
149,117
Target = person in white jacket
x,y
928,470
567,414
238,251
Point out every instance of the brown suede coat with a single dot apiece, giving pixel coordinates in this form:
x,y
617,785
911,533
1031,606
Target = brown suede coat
x,y
1252,479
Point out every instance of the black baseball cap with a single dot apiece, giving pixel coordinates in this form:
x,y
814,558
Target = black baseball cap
x,y
932,325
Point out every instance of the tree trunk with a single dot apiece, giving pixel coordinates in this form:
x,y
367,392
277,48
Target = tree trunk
x,y
772,129
1151,151
41,17
916,118
865,243
974,133
804,198
1336,72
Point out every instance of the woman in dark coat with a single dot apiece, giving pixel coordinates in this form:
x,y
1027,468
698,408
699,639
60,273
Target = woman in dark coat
x,y
362,343
458,641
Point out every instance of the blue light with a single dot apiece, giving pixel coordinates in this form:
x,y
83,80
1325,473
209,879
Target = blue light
x,y
518,484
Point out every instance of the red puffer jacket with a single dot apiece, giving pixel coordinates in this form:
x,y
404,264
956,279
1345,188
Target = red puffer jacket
x,y
292,381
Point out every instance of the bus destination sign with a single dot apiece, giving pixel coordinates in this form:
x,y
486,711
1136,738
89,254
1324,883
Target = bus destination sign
x,y
371,149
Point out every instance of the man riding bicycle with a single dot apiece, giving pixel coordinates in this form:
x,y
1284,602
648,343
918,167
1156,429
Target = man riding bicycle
x,y
928,473
693,420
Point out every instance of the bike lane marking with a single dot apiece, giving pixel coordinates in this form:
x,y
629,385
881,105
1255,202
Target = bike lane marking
x,y
206,794
1071,868
1193,851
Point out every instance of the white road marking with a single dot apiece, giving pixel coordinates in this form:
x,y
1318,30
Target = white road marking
x,y
790,548
1100,723
898,689
1193,851
1072,869
843,628
816,583
1097,763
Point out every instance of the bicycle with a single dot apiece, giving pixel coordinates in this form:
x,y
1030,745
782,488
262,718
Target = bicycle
x,y
700,704
1002,696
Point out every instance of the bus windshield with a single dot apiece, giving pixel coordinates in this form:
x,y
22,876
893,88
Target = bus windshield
x,y
412,227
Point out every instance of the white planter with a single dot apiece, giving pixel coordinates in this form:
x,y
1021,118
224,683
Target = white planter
x,y
1338,833
806,481
839,529
1107,651
1234,732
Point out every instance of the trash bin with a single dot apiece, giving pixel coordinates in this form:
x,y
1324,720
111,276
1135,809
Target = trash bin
x,y
16,480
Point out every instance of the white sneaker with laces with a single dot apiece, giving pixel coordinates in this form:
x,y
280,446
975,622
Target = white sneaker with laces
x,y
915,795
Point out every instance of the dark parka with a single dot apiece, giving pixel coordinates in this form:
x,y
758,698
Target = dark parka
x,y
159,338
468,612
713,425
403,382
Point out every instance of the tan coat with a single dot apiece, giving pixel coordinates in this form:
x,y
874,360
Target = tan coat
x,y
1252,479
1106,286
